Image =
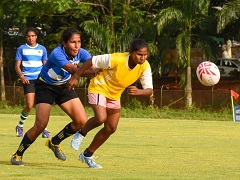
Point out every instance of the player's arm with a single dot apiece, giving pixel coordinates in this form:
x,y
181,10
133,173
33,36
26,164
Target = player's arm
x,y
91,72
146,81
44,56
70,68
73,69
19,72
133,90
18,68
100,61
44,62
84,55
95,63
74,79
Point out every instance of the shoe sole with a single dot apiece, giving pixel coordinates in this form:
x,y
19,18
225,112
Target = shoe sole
x,y
47,144
12,162
81,158
44,136
17,164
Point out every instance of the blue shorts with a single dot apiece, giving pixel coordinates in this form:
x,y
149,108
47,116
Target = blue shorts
x,y
46,93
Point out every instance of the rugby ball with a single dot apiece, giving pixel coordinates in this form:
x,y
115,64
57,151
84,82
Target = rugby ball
x,y
208,73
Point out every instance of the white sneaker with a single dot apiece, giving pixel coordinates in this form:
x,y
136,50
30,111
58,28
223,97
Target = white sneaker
x,y
90,161
76,141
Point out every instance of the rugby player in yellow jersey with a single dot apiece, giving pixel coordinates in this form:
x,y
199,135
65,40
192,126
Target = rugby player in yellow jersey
x,y
118,72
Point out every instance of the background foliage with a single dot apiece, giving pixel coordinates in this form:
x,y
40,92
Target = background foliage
x,y
108,26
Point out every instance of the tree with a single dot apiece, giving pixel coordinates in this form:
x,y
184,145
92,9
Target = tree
x,y
3,93
228,14
50,17
116,23
185,19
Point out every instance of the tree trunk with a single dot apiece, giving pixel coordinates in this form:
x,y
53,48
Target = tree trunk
x,y
112,27
3,93
188,92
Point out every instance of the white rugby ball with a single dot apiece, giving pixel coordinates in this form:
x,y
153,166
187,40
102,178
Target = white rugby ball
x,y
208,73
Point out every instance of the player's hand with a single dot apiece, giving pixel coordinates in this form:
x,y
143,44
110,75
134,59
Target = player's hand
x,y
132,90
72,82
97,71
24,80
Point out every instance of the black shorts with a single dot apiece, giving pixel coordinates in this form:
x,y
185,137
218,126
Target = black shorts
x,y
29,88
59,94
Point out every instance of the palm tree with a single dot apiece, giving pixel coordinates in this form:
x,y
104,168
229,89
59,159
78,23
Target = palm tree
x,y
228,14
116,24
185,18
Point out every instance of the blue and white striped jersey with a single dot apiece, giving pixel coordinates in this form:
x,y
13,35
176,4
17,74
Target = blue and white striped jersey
x,y
32,59
53,73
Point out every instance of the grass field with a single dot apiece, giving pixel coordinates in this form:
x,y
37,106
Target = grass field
x,y
140,149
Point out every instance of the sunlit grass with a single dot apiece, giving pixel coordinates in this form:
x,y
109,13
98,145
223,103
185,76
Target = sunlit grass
x,y
146,112
141,148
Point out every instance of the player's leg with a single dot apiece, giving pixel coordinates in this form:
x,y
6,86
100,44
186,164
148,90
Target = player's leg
x,y
29,93
71,105
41,121
110,126
76,112
42,118
100,116
44,100
98,103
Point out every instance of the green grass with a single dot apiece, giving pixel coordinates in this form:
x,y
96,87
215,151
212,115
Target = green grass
x,y
141,148
146,112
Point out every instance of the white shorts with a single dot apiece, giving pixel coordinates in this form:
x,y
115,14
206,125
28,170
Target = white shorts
x,y
101,100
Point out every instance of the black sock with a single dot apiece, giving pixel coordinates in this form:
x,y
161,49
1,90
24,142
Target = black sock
x,y
80,132
25,143
87,153
63,134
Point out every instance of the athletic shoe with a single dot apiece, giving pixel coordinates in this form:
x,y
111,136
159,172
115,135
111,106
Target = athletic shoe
x,y
16,160
89,161
56,150
46,134
76,141
19,131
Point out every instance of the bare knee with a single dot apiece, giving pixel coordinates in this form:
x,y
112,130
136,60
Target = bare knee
x,y
99,120
76,125
110,130
39,127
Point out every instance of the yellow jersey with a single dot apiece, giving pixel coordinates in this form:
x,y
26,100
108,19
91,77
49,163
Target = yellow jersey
x,y
116,75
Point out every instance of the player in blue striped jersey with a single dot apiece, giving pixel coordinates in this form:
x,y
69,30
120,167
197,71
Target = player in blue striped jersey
x,y
51,87
53,73
30,58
